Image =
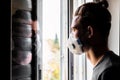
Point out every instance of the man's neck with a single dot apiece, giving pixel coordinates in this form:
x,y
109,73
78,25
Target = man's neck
x,y
95,56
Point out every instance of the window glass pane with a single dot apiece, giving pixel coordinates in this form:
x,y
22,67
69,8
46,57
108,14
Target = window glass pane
x,y
89,70
51,40
89,0
78,70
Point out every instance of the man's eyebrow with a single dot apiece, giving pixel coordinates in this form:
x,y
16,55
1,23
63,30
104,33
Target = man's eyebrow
x,y
75,26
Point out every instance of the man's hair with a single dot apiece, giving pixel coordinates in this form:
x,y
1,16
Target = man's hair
x,y
95,14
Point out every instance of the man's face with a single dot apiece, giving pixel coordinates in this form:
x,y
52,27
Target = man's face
x,y
79,30
75,26
74,42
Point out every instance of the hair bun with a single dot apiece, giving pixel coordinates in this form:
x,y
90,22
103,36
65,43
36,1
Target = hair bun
x,y
103,3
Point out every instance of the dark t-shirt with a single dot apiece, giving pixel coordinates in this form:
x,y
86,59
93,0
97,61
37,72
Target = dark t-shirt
x,y
108,68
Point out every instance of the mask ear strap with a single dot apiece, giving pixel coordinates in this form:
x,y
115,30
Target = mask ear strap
x,y
90,31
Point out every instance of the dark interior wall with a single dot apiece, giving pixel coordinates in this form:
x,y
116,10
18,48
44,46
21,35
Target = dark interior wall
x,y
5,22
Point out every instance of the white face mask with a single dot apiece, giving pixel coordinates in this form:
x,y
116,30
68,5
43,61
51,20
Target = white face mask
x,y
75,45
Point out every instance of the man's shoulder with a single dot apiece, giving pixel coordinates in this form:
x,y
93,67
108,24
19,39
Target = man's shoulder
x,y
114,58
111,73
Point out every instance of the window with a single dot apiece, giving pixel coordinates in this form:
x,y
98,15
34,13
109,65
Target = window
x,y
53,32
55,62
51,40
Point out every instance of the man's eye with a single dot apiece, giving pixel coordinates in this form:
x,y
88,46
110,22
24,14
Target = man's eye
x,y
74,29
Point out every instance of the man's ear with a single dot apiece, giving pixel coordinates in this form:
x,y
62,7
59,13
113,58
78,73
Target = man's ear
x,y
90,31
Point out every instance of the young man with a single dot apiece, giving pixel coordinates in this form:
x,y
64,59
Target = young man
x,y
90,30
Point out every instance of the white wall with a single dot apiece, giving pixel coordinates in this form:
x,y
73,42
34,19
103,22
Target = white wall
x,y
114,8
